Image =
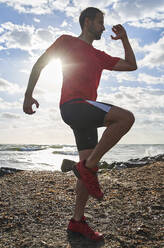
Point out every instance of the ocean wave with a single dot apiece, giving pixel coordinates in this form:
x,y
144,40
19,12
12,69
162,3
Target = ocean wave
x,y
24,148
31,147
70,153
57,146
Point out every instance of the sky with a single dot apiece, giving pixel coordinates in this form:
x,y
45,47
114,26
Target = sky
x,y
28,28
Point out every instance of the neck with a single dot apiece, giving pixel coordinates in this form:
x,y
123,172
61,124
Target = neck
x,y
87,38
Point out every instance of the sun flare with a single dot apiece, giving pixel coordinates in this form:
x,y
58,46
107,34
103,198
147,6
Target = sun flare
x,y
52,75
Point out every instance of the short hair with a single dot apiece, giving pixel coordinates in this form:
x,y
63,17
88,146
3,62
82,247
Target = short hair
x,y
89,12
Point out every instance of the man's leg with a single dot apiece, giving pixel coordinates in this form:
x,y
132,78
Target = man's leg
x,y
81,191
78,223
118,122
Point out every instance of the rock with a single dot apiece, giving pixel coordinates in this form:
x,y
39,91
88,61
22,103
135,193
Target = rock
x,y
6,170
133,163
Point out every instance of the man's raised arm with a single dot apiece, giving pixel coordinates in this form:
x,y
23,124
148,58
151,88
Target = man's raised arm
x,y
129,63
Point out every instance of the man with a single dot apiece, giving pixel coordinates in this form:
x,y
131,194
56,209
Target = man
x,y
82,66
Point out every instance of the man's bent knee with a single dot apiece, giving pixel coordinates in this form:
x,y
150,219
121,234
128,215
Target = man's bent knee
x,y
117,114
130,119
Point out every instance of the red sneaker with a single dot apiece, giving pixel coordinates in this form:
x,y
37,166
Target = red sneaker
x,y
89,178
83,228
68,165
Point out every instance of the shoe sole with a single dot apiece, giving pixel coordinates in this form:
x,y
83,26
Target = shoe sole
x,y
69,165
78,235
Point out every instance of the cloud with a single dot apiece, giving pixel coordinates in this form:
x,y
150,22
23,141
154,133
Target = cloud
x,y
115,48
141,78
125,76
64,24
16,36
27,37
59,5
94,3
9,87
154,57
138,13
147,14
10,116
36,20
4,105
38,7
138,9
48,6
145,103
148,79
148,23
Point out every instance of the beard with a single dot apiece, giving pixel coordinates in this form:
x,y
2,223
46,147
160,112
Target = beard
x,y
96,34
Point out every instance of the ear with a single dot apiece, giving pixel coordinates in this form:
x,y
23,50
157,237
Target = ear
x,y
87,21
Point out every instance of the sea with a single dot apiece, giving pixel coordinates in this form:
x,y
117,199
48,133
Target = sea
x,y
50,157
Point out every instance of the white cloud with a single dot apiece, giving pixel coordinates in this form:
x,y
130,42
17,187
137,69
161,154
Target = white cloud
x,y
10,116
28,38
154,57
39,7
148,79
36,20
9,87
148,23
115,48
64,24
145,103
16,36
125,76
94,3
138,9
139,12
4,105
1,48
1,30
140,77
59,5
36,7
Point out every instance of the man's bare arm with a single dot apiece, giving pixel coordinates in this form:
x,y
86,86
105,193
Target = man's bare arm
x,y
43,60
35,73
129,63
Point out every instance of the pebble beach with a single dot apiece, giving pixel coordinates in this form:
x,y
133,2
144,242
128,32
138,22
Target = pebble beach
x,y
35,208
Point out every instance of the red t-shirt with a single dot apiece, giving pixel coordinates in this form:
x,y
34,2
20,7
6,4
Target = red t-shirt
x,y
82,66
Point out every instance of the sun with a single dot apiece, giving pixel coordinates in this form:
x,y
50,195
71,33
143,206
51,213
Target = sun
x,y
51,77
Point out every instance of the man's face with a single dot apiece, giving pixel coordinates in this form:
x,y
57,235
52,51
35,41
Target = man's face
x,y
96,27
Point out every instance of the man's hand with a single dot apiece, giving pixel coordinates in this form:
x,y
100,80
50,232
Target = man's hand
x,y
119,31
27,105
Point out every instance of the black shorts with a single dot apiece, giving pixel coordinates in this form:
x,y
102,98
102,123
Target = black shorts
x,y
84,117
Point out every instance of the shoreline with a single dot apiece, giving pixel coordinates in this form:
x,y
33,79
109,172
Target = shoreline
x,y
35,207
131,163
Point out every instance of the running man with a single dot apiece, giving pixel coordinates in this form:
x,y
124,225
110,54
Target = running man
x,y
82,66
